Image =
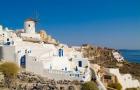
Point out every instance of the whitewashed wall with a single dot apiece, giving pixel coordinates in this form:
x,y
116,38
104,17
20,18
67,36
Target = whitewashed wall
x,y
125,80
33,65
8,53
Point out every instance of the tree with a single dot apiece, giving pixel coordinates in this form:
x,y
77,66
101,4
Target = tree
x,y
117,86
89,86
9,70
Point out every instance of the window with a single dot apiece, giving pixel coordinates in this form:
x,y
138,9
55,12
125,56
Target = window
x,y
80,63
107,77
50,67
26,51
29,25
65,69
76,75
18,51
7,39
60,52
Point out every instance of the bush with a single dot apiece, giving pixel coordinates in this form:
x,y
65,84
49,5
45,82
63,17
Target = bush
x,y
89,86
76,82
9,71
131,89
117,86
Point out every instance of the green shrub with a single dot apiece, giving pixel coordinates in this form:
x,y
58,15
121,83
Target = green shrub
x,y
89,86
9,70
76,82
117,86
131,89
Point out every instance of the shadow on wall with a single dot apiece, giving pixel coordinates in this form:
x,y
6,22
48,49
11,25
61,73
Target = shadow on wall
x,y
1,53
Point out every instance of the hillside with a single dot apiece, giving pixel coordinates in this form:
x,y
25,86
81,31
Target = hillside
x,y
132,68
105,58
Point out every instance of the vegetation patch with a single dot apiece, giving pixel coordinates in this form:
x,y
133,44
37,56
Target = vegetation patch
x,y
89,86
116,86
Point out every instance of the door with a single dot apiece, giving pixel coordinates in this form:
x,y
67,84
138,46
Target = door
x,y
23,62
80,63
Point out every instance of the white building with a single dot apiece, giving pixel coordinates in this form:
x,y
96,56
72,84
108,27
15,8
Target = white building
x,y
118,56
125,80
48,60
29,31
5,34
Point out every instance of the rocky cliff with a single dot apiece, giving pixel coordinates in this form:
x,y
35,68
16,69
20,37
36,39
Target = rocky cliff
x,y
104,57
47,38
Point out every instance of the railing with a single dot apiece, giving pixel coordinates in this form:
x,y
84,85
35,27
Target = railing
x,y
64,74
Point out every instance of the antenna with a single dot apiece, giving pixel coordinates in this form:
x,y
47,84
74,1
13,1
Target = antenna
x,y
36,16
42,23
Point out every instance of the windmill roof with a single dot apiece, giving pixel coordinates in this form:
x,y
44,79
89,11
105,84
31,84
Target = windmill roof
x,y
30,19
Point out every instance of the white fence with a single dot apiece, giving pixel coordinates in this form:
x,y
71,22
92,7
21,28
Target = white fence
x,y
62,75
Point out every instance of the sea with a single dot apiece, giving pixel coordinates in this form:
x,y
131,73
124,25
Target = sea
x,y
131,55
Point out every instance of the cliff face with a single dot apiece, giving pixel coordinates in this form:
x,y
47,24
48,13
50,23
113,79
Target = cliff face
x,y
98,54
104,57
132,68
94,51
47,38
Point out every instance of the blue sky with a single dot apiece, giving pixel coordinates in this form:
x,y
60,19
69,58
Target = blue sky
x,y
111,23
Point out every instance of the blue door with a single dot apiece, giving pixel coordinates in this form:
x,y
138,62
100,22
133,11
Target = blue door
x,y
60,52
80,63
23,61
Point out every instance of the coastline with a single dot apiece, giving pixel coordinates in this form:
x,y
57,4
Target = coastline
x,y
132,56
103,57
